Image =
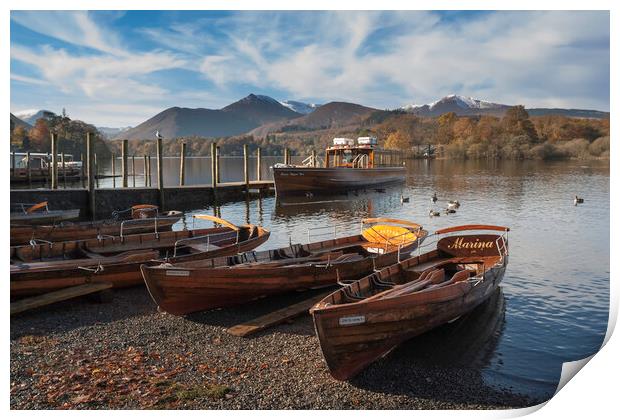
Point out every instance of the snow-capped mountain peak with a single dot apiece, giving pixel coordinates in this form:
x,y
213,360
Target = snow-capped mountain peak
x,y
465,105
301,107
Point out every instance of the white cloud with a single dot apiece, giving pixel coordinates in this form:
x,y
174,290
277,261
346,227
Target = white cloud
x,y
381,59
74,27
506,57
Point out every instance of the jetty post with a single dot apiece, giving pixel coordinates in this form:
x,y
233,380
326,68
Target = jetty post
x,y
48,171
64,170
286,156
96,169
160,171
90,173
54,161
258,164
146,183
314,158
217,164
133,169
28,170
246,168
82,167
182,165
13,163
213,172
124,162
113,170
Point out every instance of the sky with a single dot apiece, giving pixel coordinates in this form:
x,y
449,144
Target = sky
x,y
116,69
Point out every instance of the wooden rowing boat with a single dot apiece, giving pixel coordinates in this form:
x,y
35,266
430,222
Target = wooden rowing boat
x,y
40,214
45,267
368,318
67,231
204,284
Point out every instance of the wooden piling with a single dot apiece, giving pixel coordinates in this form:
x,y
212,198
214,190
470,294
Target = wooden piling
x,y
314,158
213,172
113,171
90,167
149,183
258,164
146,183
182,165
54,162
28,170
96,170
133,169
64,170
246,168
82,168
160,173
217,165
13,163
286,155
124,162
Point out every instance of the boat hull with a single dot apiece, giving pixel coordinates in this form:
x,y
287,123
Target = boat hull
x,y
22,234
182,290
40,218
303,180
27,280
354,336
348,349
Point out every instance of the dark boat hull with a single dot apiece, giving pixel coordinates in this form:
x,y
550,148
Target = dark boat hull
x,y
303,180
27,280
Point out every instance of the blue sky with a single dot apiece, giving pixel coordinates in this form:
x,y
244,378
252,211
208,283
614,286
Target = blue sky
x,y
120,68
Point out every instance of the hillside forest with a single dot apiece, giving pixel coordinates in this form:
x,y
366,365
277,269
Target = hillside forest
x,y
516,135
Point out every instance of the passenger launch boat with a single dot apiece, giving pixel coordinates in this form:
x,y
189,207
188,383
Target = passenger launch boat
x,y
48,266
145,218
347,166
369,317
210,283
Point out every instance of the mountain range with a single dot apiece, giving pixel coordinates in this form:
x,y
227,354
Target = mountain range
x,y
260,115
32,115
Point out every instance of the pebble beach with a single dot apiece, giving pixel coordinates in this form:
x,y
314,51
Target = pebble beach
x,y
124,354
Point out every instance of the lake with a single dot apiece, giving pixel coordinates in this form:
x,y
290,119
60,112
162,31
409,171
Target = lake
x,y
554,301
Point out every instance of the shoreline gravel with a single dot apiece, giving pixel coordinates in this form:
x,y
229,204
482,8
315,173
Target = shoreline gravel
x,y
124,354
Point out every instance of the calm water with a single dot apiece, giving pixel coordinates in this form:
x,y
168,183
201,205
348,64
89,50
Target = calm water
x,y
555,294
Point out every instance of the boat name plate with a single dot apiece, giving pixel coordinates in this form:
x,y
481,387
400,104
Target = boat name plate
x,y
352,320
178,273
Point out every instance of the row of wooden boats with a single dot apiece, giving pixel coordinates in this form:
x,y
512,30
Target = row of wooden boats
x,y
388,289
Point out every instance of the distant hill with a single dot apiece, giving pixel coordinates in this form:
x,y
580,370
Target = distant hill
x,y
19,122
31,116
463,106
573,113
236,118
111,132
330,115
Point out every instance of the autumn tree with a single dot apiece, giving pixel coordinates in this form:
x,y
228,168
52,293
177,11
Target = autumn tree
x,y
397,141
40,136
19,137
517,122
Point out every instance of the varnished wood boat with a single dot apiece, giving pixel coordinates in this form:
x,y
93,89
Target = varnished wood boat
x,y
200,285
45,267
368,318
67,231
40,214
347,167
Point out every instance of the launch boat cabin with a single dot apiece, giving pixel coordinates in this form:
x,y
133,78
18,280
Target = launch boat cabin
x,y
348,165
